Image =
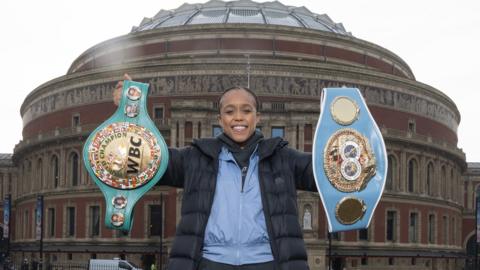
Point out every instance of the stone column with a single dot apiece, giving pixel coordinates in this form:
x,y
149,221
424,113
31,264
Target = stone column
x,y
62,165
422,175
266,130
173,134
206,129
181,133
194,129
293,141
437,178
290,134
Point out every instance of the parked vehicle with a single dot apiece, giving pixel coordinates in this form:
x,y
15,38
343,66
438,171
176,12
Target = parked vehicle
x,y
113,264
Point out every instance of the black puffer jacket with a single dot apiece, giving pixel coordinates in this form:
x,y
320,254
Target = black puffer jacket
x,y
281,172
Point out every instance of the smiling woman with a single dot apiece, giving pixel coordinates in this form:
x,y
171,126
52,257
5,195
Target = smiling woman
x,y
238,114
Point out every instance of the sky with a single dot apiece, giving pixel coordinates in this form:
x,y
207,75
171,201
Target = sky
x,y
438,39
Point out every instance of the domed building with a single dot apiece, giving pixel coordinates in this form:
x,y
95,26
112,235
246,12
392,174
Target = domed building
x,y
287,55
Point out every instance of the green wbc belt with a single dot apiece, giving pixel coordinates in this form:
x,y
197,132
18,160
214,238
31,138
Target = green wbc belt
x,y
126,156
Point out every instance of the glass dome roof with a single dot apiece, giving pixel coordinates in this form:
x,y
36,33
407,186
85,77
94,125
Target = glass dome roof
x,y
242,11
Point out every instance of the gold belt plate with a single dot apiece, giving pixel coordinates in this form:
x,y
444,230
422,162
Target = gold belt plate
x,y
124,155
349,161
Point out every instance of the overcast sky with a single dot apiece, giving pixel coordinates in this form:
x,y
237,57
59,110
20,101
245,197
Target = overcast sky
x,y
439,40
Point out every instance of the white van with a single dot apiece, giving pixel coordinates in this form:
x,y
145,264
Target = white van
x,y
114,264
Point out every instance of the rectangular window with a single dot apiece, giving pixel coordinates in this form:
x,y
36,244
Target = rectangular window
x,y
431,229
413,228
70,221
278,132
216,130
155,220
74,169
308,133
391,224
278,106
158,113
335,236
363,234
94,220
51,222
121,234
454,231
76,120
188,132
445,230
215,105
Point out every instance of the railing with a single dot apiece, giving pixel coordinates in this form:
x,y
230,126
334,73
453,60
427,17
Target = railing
x,y
82,130
55,134
72,265
421,139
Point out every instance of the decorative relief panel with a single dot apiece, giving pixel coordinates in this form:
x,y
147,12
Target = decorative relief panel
x,y
263,85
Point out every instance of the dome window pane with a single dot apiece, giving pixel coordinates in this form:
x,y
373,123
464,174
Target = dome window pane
x,y
245,16
178,19
280,18
209,16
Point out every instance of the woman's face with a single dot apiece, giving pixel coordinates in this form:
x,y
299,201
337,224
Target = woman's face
x,y
238,115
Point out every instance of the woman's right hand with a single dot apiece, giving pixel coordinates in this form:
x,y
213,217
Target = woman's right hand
x,y
117,92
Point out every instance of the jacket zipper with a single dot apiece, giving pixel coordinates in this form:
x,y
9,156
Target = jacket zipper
x,y
244,174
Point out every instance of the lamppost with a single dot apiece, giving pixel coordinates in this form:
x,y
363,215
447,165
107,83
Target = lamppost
x,y
39,228
160,260
477,226
6,222
329,251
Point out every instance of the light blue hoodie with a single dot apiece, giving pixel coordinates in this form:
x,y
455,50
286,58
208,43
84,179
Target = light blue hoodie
x,y
236,231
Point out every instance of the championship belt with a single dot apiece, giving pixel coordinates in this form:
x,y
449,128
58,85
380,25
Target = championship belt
x,y
349,160
126,156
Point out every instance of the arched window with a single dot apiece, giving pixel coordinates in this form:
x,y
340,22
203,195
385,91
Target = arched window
x,y
429,183
392,168
74,172
412,174
55,171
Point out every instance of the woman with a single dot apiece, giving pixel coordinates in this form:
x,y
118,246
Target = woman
x,y
239,207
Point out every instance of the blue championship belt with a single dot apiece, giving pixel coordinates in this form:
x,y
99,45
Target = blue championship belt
x,y
349,160
126,156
